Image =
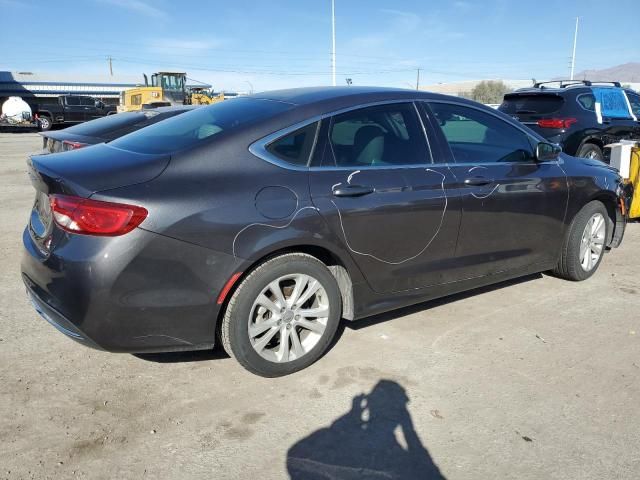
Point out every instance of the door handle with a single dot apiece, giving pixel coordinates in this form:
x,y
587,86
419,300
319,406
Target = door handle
x,y
351,190
477,181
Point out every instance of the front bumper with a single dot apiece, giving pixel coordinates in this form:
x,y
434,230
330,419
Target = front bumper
x,y
141,292
622,215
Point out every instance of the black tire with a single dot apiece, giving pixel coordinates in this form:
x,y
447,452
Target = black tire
x,y
569,265
234,332
45,123
589,150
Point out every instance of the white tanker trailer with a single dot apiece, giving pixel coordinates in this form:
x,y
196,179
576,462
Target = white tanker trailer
x,y
15,112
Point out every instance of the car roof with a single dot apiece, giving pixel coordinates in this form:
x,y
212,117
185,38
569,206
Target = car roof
x,y
551,90
317,100
306,95
172,108
568,89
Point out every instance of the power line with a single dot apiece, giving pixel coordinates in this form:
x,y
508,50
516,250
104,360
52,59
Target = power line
x,y
261,72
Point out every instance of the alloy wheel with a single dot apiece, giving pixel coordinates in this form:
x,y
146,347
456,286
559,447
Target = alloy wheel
x,y
288,318
592,243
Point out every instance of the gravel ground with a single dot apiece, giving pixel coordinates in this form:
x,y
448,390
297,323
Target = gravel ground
x,y
535,379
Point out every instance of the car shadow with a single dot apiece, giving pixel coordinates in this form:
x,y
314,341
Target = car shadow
x,y
184,357
376,439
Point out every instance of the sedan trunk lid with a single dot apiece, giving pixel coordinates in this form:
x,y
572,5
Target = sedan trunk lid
x,y
82,173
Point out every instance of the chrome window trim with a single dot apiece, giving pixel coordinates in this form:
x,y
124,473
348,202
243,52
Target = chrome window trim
x,y
259,147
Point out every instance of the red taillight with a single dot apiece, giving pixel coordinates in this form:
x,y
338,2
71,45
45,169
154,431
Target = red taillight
x,y
556,122
93,217
69,145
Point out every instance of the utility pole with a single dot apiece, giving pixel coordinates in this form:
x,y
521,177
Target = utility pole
x,y
333,41
573,56
110,65
418,80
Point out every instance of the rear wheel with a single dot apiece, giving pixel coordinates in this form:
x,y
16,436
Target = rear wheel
x,y
283,315
585,243
45,123
589,150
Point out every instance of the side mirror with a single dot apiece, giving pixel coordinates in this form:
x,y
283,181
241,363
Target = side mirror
x,y
547,152
99,104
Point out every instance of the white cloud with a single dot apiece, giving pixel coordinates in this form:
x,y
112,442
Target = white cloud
x,y
13,4
138,6
462,4
368,41
402,20
174,45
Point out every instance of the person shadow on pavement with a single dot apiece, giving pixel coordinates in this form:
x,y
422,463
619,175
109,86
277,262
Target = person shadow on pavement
x,y
374,440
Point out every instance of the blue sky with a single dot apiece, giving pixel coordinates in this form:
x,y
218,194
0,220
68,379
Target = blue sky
x,y
235,44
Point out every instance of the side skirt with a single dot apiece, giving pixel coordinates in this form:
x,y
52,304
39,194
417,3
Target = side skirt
x,y
369,303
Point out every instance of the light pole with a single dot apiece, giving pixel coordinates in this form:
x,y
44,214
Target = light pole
x,y
575,41
333,41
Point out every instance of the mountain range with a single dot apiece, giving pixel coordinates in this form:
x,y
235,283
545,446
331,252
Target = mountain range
x,y
627,72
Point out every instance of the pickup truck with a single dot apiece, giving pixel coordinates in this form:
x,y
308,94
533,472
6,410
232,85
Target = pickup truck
x,y
71,109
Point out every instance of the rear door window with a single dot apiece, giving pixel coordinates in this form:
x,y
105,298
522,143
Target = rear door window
x,y
533,104
478,137
378,136
73,101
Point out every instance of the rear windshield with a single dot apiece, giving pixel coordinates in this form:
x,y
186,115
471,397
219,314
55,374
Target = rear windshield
x,y
197,125
531,104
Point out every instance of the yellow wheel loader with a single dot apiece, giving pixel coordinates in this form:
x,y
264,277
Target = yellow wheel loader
x,y
166,89
203,96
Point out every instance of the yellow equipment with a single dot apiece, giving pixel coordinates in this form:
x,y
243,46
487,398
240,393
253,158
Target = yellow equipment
x,y
634,179
166,89
202,96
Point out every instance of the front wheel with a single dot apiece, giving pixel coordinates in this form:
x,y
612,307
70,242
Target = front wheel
x,y
591,151
585,243
283,315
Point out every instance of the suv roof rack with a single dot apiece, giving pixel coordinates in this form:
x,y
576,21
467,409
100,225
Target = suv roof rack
x,y
569,83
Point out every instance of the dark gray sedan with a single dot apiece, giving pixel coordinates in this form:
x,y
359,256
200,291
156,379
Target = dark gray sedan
x,y
261,222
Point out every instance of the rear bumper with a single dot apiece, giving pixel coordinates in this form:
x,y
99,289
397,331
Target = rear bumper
x,y
141,292
55,318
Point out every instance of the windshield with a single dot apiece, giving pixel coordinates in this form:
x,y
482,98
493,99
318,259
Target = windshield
x,y
168,81
197,125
